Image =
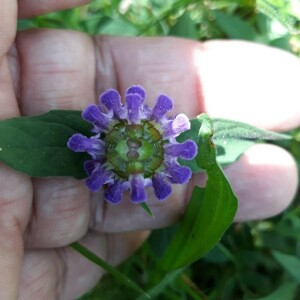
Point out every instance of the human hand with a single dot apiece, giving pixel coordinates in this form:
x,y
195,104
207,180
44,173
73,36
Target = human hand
x,y
51,69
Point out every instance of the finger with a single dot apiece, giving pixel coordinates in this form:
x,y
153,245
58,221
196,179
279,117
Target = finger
x,y
41,275
8,17
114,248
260,85
230,79
265,172
15,196
57,73
15,208
160,65
67,273
57,70
61,213
30,8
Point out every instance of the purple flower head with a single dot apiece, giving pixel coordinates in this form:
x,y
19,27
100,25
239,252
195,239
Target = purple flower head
x,y
134,146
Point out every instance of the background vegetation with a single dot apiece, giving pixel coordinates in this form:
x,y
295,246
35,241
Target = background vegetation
x,y
255,260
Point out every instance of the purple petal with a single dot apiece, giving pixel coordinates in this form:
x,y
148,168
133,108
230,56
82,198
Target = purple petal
x,y
136,89
113,194
163,104
93,114
90,165
81,143
98,177
174,127
178,174
186,150
137,188
112,100
146,111
161,189
134,105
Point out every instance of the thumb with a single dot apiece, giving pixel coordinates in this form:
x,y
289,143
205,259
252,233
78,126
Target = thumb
x,y
8,21
15,189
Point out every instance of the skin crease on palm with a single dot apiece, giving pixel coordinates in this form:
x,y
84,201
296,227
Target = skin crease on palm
x,y
50,69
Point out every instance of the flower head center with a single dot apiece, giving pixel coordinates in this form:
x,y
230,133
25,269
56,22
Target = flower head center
x,y
134,148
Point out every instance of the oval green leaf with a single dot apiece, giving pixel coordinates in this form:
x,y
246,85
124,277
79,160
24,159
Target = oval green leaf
x,y
231,139
209,213
289,262
37,145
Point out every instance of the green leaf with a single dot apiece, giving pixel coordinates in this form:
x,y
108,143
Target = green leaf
x,y
286,291
235,27
289,262
118,26
234,130
24,24
282,43
37,145
148,210
217,255
159,288
233,138
70,118
107,267
209,212
185,27
160,239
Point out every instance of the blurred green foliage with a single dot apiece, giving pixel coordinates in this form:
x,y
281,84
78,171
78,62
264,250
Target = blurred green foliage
x,y
254,260
273,22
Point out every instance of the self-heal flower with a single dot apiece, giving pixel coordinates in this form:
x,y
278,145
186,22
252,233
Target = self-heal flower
x,y
134,146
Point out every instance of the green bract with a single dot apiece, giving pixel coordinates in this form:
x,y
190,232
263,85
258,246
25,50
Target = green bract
x,y
134,148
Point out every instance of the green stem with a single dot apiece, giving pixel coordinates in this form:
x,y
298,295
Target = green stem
x,y
107,267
